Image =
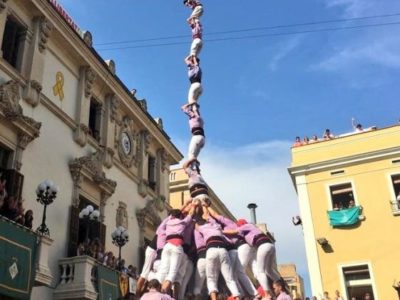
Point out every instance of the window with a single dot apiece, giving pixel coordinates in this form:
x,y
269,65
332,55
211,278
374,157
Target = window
x,y
358,281
13,39
396,189
152,172
95,119
79,228
342,196
5,155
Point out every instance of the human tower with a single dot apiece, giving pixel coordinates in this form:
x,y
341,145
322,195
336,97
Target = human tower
x,y
194,244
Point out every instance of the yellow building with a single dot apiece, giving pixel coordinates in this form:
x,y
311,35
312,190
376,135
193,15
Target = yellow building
x,y
179,192
360,168
293,280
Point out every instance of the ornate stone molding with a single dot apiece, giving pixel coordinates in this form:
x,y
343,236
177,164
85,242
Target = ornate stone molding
x,y
3,5
115,104
147,138
80,134
31,93
127,131
90,166
90,77
108,158
45,29
159,122
163,155
143,104
111,66
121,218
148,215
10,96
88,38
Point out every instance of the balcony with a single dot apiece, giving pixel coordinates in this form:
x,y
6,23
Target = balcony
x,y
395,207
23,260
82,277
345,217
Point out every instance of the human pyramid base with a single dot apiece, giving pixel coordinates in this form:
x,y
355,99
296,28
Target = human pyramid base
x,y
194,245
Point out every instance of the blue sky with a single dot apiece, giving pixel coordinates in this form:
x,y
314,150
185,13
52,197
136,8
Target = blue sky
x,y
259,93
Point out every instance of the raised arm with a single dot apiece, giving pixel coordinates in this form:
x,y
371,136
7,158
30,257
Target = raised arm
x,y
186,207
230,231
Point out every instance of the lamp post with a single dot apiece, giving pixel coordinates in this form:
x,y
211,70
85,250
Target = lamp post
x,y
120,237
46,193
89,214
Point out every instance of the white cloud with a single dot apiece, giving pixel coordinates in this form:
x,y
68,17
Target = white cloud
x,y
384,52
284,51
258,173
352,8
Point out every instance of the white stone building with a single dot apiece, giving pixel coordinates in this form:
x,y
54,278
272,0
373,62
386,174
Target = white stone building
x,y
66,116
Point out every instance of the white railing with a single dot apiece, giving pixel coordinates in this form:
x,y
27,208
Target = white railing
x,y
77,280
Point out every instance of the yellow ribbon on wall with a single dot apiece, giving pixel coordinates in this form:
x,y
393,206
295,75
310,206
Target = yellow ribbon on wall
x,y
58,88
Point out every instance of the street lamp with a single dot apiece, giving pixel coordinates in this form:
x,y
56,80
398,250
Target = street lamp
x,y
46,193
120,237
89,214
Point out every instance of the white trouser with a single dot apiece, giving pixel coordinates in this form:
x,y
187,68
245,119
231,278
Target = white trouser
x,y
217,260
154,271
246,255
195,48
149,258
266,265
202,197
196,144
240,275
170,262
187,275
199,276
197,12
182,269
195,92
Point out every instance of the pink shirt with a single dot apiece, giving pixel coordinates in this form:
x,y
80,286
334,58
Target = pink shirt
x,y
177,226
283,296
155,295
197,31
194,178
249,231
195,121
161,236
229,224
210,230
199,240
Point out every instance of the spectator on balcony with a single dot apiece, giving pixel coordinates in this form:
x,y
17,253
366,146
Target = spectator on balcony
x,y
20,218
314,139
100,253
337,295
306,140
326,296
9,209
335,206
297,142
28,219
132,272
154,293
328,135
81,250
351,203
367,296
121,266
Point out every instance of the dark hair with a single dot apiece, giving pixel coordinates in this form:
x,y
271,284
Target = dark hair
x,y
176,213
281,283
185,1
200,221
154,284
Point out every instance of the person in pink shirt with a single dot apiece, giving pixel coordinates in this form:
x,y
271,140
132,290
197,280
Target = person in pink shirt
x,y
154,292
217,258
280,291
197,39
196,125
197,8
198,187
173,251
265,266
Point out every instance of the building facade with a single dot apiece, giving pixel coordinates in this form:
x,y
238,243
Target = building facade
x,y
347,189
66,116
179,192
293,280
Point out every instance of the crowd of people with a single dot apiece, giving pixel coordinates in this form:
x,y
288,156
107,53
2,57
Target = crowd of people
x,y
367,296
340,205
327,135
193,246
94,248
12,208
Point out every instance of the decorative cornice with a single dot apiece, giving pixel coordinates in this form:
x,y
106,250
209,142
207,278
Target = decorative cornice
x,y
111,66
31,92
3,5
90,77
163,155
10,96
147,138
148,213
45,29
88,38
115,104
